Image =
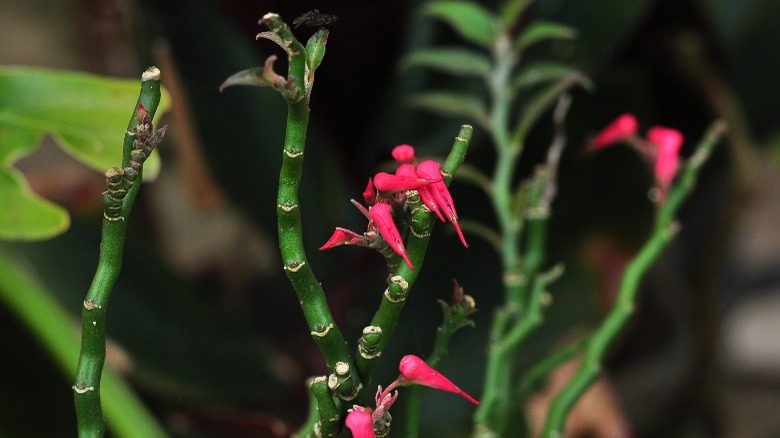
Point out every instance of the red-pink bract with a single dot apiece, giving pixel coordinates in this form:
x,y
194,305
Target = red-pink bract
x,y
382,216
415,371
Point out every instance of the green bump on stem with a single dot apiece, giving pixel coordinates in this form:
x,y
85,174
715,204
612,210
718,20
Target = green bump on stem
x,y
599,342
87,386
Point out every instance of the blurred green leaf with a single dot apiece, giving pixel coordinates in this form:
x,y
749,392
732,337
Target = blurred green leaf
x,y
543,30
544,71
470,20
25,215
459,62
452,104
85,114
512,10
539,103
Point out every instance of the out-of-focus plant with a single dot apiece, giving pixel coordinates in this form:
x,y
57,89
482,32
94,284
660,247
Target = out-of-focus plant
x,y
518,95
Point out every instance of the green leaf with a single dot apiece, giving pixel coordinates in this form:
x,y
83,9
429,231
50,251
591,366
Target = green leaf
x,y
470,20
315,49
512,10
543,30
458,62
452,104
85,114
25,215
540,102
544,71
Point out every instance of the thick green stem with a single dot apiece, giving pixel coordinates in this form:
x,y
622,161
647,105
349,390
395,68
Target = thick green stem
x,y
311,295
87,389
623,308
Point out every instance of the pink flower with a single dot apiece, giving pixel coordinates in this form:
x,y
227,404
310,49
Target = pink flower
x,y
438,195
343,236
360,422
620,129
385,182
415,371
667,142
382,216
404,154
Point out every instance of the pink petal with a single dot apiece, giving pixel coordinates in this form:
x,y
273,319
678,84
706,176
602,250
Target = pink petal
x,y
415,371
343,236
388,183
382,216
404,154
620,129
441,195
360,423
668,142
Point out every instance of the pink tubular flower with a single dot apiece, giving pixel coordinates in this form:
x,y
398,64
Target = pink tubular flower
x,y
439,195
404,154
667,142
385,182
415,371
620,129
382,216
343,236
360,422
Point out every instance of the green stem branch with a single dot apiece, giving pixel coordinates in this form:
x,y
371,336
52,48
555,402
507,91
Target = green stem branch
x,y
623,308
87,387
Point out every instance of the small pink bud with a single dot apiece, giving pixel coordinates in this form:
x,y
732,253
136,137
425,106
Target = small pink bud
x,y
343,236
668,142
382,216
404,154
441,195
620,129
415,371
360,422
369,194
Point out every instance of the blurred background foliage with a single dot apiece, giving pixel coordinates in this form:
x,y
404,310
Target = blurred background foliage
x,y
204,322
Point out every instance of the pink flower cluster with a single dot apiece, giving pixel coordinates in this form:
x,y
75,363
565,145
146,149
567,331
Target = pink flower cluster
x,y
361,420
662,147
386,193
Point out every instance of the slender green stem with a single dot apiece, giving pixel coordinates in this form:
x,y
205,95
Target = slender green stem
x,y
535,375
311,295
623,307
87,387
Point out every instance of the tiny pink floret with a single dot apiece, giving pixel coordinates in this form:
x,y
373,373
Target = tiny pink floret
x,y
620,129
404,154
668,142
360,422
415,371
382,216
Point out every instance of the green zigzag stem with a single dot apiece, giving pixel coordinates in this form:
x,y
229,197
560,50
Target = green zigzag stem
x,y
93,342
623,307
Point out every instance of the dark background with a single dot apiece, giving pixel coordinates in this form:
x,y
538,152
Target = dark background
x,y
223,350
